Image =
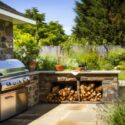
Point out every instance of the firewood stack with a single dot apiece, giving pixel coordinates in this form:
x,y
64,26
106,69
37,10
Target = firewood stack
x,y
64,94
90,92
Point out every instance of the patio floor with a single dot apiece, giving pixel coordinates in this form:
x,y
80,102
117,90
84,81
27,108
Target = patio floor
x,y
63,114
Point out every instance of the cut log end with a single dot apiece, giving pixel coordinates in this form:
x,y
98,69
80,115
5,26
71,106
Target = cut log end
x,y
88,92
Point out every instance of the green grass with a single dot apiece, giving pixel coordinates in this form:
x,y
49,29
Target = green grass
x,y
122,75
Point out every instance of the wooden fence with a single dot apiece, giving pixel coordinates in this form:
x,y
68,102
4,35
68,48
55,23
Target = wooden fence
x,y
57,50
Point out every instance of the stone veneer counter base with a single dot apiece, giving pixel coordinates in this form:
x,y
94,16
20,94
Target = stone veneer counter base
x,y
41,81
108,80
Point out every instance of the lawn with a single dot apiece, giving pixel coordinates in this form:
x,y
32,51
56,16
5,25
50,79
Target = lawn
x,y
122,75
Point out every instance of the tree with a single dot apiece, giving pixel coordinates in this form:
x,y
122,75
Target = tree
x,y
35,15
100,21
33,29
45,34
54,34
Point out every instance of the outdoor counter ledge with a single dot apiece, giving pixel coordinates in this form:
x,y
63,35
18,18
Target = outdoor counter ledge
x,y
76,72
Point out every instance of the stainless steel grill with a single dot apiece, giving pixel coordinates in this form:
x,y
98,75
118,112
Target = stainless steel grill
x,y
13,91
13,74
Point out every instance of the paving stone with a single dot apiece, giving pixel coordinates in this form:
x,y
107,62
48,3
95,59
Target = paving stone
x,y
101,122
71,122
87,123
53,114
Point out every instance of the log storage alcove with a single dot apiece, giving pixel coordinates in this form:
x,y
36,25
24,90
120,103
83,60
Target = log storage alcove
x,y
78,87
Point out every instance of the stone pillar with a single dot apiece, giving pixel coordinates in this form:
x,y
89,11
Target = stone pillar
x,y
110,89
45,85
6,40
33,90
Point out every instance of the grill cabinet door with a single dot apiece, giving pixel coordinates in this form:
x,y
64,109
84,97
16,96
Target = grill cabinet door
x,y
21,100
8,105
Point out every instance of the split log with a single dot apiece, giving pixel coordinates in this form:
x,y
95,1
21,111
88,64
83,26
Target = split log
x,y
90,92
64,94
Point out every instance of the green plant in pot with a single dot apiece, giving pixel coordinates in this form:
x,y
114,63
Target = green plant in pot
x,y
59,66
32,64
26,49
82,67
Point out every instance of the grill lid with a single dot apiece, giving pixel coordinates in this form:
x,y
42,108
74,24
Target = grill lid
x,y
11,66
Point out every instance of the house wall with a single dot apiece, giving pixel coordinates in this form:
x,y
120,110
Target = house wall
x,y
6,40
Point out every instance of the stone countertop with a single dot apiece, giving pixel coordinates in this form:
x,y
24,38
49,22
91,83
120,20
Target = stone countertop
x,y
76,72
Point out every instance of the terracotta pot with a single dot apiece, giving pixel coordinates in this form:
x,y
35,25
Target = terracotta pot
x,y
59,67
32,65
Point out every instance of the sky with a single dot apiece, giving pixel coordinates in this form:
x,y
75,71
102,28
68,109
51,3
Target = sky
x,y
55,10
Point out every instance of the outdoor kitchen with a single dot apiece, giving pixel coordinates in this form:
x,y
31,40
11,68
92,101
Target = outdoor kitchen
x,y
27,89
21,89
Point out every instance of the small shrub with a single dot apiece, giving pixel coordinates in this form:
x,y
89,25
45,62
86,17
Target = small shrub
x,y
122,75
122,65
115,56
89,58
104,64
117,114
46,62
26,47
113,113
70,63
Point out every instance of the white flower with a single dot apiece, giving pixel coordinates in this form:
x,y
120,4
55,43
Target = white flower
x,y
24,55
24,48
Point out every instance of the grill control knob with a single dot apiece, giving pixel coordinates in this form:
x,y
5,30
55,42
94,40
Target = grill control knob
x,y
24,79
8,84
20,81
14,83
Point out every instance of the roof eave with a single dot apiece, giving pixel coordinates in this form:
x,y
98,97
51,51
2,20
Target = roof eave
x,y
15,18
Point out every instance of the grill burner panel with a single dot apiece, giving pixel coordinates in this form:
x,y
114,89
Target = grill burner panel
x,y
14,83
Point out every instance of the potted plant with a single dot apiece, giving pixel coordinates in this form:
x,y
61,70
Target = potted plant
x,y
59,66
32,63
26,48
82,67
